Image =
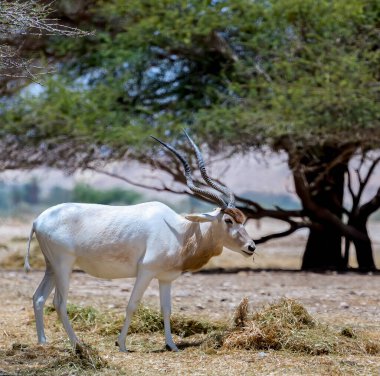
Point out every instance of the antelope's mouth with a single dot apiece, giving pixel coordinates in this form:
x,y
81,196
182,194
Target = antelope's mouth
x,y
248,252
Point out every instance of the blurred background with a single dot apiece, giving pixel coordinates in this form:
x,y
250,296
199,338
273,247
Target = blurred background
x,y
281,96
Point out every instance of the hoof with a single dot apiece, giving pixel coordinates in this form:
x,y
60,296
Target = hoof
x,y
121,349
78,347
172,347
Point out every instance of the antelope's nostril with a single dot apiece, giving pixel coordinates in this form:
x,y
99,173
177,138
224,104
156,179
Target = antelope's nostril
x,y
251,248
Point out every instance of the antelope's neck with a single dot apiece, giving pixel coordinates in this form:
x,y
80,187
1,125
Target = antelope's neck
x,y
202,241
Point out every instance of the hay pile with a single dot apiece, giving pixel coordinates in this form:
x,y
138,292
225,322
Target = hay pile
x,y
53,358
286,325
145,320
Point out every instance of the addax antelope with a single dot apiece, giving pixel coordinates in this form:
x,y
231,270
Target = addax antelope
x,y
145,241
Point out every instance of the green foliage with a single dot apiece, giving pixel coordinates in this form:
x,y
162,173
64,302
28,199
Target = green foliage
x,y
57,195
85,193
26,197
239,72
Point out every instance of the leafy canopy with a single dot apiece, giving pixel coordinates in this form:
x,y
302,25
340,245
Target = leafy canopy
x,y
237,72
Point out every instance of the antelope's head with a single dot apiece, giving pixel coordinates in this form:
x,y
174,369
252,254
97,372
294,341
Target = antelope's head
x,y
229,220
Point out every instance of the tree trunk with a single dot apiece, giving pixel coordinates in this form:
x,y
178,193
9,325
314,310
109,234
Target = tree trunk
x,y
323,250
324,245
364,255
363,248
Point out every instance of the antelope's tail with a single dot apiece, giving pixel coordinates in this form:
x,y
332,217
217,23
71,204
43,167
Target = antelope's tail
x,y
26,263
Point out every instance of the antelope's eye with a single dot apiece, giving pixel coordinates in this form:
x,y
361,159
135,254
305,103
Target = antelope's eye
x,y
229,221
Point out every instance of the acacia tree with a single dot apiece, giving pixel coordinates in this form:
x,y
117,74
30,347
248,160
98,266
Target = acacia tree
x,y
297,76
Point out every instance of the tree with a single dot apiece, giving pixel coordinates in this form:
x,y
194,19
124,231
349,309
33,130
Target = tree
x,y
297,76
22,25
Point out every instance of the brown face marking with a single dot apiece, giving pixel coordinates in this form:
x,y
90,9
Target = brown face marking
x,y
236,214
197,251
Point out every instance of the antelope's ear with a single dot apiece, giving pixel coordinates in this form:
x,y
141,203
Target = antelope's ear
x,y
204,217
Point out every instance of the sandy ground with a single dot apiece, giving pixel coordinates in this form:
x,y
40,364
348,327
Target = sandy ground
x,y
339,300
352,298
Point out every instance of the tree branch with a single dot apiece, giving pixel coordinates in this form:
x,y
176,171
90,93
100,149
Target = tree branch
x,y
349,184
342,158
371,206
163,188
254,210
294,227
318,213
363,182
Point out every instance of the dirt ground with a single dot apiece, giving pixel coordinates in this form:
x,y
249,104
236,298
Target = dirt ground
x,y
339,300
352,299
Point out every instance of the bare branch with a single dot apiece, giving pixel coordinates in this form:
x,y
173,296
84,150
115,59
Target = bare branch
x,y
19,21
363,181
30,18
349,184
163,188
370,171
254,210
342,158
318,213
294,227
371,206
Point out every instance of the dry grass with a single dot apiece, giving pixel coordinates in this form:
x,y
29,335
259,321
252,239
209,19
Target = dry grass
x,y
253,343
53,359
145,320
286,325
16,250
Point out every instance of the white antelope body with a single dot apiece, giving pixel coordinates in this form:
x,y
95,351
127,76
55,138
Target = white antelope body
x,y
145,241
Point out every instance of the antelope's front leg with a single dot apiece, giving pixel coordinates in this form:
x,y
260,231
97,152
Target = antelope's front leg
x,y
141,284
165,301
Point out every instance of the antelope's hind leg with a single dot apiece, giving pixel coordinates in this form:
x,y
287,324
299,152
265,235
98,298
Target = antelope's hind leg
x,y
62,280
39,298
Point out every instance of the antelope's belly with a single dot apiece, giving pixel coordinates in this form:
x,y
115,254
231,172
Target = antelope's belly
x,y
109,264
